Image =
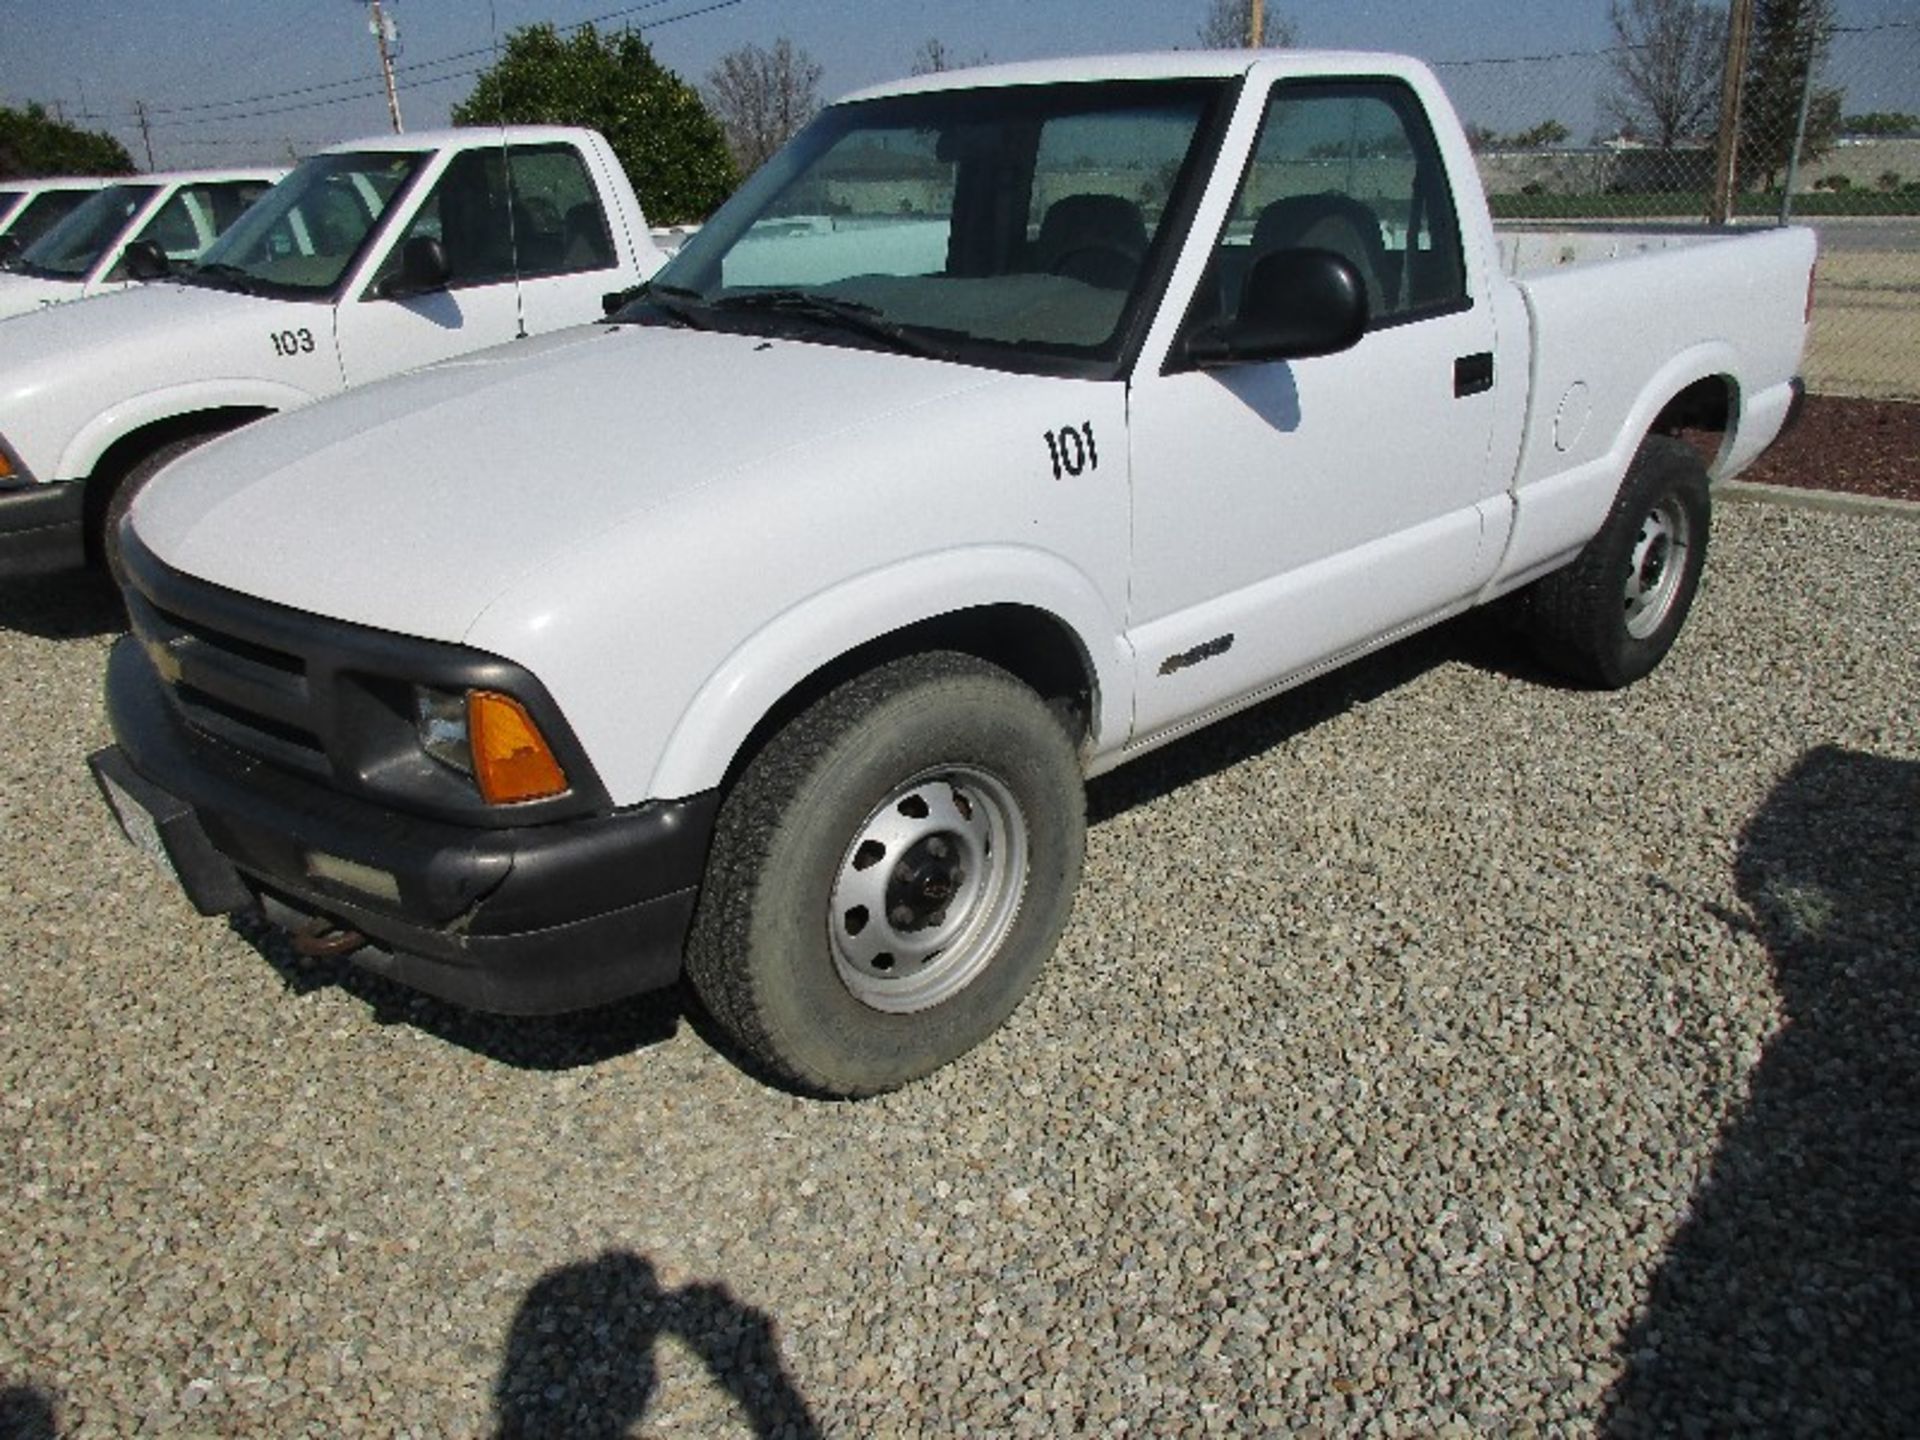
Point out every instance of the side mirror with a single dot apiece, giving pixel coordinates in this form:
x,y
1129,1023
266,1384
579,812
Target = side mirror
x,y
423,269
145,260
1296,304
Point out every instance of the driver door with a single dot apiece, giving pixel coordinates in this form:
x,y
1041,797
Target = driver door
x,y
1288,513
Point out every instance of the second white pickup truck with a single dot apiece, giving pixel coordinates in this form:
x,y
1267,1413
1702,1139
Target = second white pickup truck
x,y
371,258
1006,425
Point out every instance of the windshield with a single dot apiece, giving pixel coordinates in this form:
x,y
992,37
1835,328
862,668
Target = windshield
x,y
303,236
39,213
1011,226
73,247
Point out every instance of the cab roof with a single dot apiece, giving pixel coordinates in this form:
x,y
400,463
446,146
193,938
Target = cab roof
x,y
1162,65
458,136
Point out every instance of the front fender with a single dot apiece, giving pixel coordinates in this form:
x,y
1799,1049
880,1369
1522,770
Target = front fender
x,y
750,681
136,412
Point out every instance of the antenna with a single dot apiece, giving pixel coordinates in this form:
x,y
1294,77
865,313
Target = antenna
x,y
506,174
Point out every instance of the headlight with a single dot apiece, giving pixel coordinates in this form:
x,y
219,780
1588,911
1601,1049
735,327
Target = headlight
x,y
440,716
490,737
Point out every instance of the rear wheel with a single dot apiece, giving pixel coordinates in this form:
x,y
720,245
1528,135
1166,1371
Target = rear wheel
x,y
889,874
1613,614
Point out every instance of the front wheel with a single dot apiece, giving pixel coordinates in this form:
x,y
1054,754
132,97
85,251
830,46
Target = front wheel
x,y
889,874
1613,614
121,499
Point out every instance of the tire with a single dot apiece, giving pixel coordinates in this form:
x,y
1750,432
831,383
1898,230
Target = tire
x,y
888,875
121,498
1613,614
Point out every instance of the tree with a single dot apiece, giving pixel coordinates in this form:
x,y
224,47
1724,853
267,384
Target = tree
x,y
32,143
1666,68
1544,136
763,97
1229,26
672,148
1881,122
1790,39
934,57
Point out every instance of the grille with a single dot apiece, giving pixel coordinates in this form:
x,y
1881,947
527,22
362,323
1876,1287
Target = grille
x,y
246,695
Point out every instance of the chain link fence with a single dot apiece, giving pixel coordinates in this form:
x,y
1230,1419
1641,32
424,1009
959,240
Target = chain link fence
x,y
1555,151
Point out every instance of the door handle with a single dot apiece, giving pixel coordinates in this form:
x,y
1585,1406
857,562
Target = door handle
x,y
1473,375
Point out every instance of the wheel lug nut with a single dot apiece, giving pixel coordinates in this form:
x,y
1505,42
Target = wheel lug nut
x,y
937,848
901,916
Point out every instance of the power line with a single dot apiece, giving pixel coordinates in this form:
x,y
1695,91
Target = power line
x,y
373,89
356,80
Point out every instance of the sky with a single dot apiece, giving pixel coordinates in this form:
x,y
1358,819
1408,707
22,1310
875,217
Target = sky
x,y
250,81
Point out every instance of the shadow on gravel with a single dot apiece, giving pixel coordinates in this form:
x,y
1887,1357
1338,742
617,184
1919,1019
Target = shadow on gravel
x,y
1789,1302
1478,639
62,607
542,1042
580,1356
27,1413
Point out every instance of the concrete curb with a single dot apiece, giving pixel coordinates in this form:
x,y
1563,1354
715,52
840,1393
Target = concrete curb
x,y
1833,502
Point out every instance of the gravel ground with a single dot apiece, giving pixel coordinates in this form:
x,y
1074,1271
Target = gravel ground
x,y
1436,1051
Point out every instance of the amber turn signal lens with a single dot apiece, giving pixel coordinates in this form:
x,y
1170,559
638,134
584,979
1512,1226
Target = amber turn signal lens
x,y
6,466
511,761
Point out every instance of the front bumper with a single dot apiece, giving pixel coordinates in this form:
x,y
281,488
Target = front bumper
x,y
535,920
42,528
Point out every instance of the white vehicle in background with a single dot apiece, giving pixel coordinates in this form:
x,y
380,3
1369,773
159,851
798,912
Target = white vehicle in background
x,y
30,208
1006,425
370,258
129,230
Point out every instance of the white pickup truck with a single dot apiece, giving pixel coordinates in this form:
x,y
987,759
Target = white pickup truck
x,y
1006,425
371,258
126,232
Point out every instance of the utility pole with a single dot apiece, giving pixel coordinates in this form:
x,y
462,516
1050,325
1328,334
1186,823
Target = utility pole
x,y
1256,23
381,35
1726,168
140,109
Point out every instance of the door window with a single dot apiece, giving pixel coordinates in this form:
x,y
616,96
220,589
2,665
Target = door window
x,y
533,212
1351,168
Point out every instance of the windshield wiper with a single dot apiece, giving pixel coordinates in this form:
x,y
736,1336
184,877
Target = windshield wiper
x,y
848,315
224,276
669,300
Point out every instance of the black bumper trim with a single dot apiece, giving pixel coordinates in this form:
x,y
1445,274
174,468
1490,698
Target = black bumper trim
x,y
42,529
534,919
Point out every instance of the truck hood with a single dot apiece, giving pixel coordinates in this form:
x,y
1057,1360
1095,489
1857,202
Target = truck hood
x,y
412,503
24,294
61,338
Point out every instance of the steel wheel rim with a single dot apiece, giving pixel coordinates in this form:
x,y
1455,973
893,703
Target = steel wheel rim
x,y
1656,567
927,890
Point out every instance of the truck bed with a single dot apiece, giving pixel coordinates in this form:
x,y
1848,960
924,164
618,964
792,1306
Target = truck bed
x,y
1532,248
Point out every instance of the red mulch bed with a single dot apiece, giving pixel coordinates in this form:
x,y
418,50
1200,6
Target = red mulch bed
x,y
1864,447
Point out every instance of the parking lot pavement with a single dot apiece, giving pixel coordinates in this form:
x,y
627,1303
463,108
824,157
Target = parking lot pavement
x,y
1399,1027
